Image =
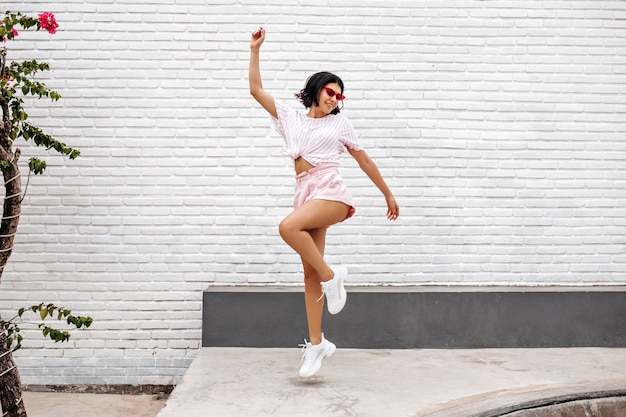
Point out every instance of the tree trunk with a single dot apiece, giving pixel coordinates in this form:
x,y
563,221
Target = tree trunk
x,y
10,385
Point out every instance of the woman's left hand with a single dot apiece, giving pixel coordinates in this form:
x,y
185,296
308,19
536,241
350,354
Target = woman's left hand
x,y
393,210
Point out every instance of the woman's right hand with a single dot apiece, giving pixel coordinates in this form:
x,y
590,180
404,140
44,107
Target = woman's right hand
x,y
264,98
257,39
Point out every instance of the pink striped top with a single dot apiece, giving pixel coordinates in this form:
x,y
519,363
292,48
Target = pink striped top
x,y
316,140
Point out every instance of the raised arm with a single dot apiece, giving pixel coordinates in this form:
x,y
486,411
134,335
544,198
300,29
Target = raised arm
x,y
369,167
264,98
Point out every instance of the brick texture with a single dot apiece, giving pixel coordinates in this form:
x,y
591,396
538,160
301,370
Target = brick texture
x,y
499,125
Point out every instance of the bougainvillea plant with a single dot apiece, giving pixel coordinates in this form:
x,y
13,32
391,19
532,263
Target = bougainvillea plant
x,y
18,80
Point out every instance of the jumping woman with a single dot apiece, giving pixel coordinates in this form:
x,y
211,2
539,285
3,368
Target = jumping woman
x,y
314,140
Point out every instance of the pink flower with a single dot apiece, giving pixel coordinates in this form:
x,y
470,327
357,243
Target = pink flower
x,y
48,22
14,32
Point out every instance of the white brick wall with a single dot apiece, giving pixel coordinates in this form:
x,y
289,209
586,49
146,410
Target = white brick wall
x,y
499,125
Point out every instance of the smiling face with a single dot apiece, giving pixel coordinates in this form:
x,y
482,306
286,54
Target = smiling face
x,y
328,99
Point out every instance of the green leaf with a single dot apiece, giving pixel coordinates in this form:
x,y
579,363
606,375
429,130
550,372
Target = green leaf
x,y
36,165
51,308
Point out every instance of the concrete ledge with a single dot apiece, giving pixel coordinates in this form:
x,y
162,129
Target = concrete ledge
x,y
247,382
422,317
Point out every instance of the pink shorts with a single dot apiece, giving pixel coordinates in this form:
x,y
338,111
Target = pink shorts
x,y
322,182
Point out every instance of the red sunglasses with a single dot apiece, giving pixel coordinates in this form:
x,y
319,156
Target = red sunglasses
x,y
331,93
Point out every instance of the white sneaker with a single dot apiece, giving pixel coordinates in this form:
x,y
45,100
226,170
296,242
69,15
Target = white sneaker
x,y
313,355
334,290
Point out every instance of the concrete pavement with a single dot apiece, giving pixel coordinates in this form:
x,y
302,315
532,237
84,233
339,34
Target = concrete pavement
x,y
64,404
238,382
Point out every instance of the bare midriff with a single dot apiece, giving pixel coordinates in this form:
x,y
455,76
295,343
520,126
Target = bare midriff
x,y
302,165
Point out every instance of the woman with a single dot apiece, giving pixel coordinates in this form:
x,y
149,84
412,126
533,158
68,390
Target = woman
x,y
315,140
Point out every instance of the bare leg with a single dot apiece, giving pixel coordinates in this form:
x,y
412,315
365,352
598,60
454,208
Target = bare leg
x,y
295,231
313,290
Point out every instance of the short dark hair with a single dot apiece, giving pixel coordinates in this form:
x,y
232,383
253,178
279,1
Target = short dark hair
x,y
314,84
